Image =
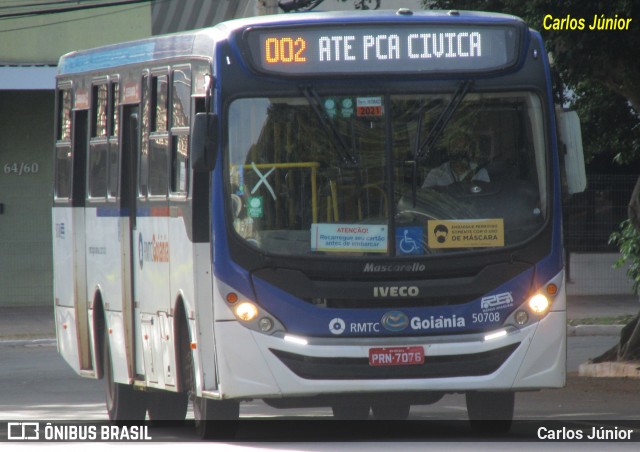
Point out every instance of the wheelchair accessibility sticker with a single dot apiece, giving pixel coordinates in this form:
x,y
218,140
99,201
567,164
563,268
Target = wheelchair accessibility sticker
x,y
409,240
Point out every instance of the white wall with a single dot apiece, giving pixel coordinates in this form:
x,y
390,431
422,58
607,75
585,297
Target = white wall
x,y
593,274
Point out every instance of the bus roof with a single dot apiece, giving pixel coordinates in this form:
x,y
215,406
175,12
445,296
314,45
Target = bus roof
x,y
200,43
196,44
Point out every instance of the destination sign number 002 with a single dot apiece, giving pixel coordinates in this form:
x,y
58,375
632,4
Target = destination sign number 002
x,y
406,49
285,50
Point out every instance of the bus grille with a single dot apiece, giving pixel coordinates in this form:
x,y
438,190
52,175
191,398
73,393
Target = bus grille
x,y
363,303
448,366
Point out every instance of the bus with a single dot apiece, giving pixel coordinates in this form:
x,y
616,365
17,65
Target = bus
x,y
248,211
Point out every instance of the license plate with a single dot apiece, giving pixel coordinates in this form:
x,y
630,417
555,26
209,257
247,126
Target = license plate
x,y
396,356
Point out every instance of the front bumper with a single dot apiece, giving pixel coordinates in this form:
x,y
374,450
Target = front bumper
x,y
254,365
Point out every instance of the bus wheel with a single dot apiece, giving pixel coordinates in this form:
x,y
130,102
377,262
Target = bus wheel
x,y
123,402
214,419
490,412
356,411
167,406
391,411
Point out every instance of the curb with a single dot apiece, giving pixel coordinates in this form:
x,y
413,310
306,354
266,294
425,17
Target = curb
x,y
612,369
594,330
578,330
35,341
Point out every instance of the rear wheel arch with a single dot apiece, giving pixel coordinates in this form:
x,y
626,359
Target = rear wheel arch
x,y
182,335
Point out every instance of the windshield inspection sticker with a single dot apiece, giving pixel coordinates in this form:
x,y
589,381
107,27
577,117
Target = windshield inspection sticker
x,y
465,233
363,238
369,106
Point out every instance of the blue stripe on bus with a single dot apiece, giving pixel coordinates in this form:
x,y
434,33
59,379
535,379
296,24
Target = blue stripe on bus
x,y
106,212
127,53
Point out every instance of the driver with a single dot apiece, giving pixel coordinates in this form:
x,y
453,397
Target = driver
x,y
459,167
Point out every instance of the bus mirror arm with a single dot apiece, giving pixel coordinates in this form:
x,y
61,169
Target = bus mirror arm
x,y
204,141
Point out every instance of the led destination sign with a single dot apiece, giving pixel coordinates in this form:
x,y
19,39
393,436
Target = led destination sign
x,y
368,49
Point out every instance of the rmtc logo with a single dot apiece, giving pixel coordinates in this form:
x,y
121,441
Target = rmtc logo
x,y
495,301
156,250
396,291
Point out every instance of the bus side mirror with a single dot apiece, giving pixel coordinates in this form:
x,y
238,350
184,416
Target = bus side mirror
x,y
571,136
204,141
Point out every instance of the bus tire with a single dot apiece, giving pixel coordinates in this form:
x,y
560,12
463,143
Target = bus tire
x,y
213,419
490,412
398,411
167,406
355,411
216,419
123,402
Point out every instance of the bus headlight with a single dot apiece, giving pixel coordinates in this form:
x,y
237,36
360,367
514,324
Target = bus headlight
x,y
246,311
539,304
522,317
265,324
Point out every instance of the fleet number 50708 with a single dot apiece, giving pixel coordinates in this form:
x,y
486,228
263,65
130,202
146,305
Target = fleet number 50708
x,y
485,317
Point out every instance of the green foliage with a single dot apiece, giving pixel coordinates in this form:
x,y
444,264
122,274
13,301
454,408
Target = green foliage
x,y
627,239
365,4
599,68
609,125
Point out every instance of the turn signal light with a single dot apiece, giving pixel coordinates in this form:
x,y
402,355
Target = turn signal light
x,y
552,289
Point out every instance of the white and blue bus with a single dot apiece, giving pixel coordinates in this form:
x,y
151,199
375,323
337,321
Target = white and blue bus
x,y
353,210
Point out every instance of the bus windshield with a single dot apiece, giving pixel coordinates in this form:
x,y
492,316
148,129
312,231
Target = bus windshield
x,y
362,175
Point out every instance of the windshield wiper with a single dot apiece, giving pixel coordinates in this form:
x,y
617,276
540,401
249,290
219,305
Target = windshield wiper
x,y
414,166
422,148
329,127
442,121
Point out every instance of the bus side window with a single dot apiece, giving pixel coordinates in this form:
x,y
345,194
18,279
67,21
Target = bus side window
x,y
98,145
114,150
181,97
159,100
180,120
158,138
143,162
63,173
179,164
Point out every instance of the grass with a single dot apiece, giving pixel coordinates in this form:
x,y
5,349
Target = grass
x,y
617,320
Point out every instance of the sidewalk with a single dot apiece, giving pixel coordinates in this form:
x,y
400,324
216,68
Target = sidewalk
x,y
18,323
22,323
595,314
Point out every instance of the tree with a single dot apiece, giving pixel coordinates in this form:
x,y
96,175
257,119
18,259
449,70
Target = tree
x,y
608,57
610,128
365,4
628,240
601,68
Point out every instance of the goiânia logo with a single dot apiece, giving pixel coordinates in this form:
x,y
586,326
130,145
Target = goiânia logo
x,y
395,321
